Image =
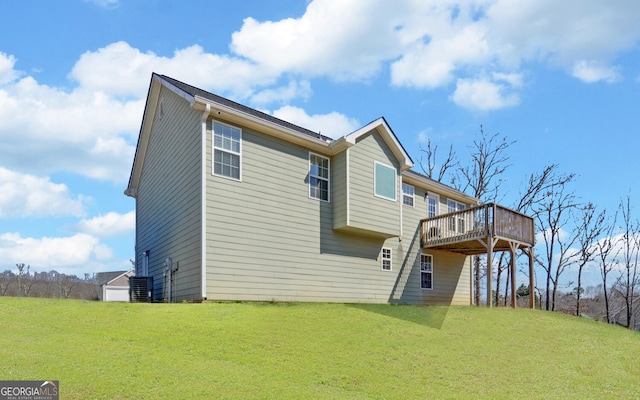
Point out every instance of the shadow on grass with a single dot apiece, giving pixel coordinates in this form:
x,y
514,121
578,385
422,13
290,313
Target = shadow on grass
x,y
431,316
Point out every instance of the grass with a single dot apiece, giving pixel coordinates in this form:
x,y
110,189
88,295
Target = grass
x,y
323,351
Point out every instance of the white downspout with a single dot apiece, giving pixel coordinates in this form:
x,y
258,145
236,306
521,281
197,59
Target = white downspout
x,y
203,201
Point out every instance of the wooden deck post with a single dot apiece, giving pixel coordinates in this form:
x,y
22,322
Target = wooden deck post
x,y
513,247
532,288
489,271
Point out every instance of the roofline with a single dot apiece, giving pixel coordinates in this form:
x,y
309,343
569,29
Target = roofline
x,y
117,277
423,181
265,123
234,115
390,137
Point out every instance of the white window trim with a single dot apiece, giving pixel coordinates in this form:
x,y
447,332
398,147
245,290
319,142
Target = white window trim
x,y
431,272
459,223
412,196
214,148
375,188
383,259
328,178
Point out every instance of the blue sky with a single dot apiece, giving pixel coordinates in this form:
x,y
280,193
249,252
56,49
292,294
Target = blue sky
x,y
560,79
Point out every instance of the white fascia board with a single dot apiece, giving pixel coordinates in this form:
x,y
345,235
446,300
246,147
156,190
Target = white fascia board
x,y
143,138
387,134
251,121
170,86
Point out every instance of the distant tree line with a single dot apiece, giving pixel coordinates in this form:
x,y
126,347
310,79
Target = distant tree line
x,y
573,235
52,284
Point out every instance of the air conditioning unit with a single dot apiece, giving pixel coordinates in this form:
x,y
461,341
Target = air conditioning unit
x,y
141,289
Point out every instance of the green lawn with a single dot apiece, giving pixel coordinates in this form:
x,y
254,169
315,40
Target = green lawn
x,y
322,351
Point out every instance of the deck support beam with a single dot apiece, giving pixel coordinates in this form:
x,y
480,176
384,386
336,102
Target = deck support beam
x,y
532,287
514,247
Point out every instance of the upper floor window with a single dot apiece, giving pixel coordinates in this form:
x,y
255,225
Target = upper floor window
x,y
318,177
408,193
384,181
227,152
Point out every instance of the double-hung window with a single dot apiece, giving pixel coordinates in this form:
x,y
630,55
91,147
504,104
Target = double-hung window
x,y
227,152
318,177
408,194
385,256
426,271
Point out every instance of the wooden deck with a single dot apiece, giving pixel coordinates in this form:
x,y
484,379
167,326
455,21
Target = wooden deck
x,y
467,231
484,229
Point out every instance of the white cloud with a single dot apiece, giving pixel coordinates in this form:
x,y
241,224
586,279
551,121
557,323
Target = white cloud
x,y
110,224
431,44
80,252
105,3
283,94
433,64
333,124
121,70
562,33
346,40
58,130
591,72
24,195
7,73
483,95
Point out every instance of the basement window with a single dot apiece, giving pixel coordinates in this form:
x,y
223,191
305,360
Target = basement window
x,y
385,256
426,271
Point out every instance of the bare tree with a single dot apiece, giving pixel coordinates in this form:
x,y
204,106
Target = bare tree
x,y
628,278
538,184
605,248
6,278
553,213
482,177
590,228
25,282
431,163
65,284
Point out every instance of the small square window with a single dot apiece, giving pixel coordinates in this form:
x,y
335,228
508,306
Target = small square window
x,y
384,181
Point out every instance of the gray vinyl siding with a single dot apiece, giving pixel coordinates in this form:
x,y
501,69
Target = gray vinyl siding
x,y
367,213
339,189
451,271
267,240
168,202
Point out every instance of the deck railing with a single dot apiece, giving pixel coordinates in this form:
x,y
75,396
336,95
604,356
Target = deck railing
x,y
486,220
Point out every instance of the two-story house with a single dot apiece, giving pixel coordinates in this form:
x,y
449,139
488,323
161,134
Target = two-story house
x,y
234,204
